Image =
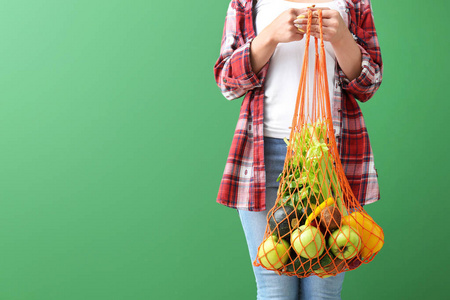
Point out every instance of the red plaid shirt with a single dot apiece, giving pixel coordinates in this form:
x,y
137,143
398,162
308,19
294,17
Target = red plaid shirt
x,y
243,182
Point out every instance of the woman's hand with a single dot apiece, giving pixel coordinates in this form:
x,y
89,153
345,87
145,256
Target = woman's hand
x,y
281,30
334,28
347,51
291,26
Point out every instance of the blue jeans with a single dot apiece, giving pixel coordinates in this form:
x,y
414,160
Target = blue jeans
x,y
269,284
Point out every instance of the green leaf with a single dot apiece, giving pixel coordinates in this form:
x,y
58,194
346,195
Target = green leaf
x,y
279,176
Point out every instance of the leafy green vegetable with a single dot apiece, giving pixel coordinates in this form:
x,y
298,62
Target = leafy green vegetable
x,y
309,178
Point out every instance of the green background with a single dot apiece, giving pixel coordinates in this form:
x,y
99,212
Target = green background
x,y
113,139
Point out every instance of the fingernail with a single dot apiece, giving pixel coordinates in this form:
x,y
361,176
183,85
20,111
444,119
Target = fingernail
x,y
301,30
297,25
301,17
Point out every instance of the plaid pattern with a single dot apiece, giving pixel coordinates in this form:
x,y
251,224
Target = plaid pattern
x,y
243,181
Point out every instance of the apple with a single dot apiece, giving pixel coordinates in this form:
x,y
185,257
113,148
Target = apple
x,y
345,242
308,241
273,253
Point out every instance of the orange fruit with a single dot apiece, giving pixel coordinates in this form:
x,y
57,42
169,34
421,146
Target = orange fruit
x,y
372,236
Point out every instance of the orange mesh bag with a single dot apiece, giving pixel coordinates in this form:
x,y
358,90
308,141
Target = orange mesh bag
x,y
317,226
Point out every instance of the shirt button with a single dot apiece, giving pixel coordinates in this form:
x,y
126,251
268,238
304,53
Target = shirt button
x,y
224,80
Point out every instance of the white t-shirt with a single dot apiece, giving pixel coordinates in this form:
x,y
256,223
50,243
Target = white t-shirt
x,y
283,75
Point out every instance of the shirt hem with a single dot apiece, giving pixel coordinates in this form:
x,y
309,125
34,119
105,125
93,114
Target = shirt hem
x,y
239,207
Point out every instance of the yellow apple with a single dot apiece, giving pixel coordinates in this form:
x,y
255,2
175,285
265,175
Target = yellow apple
x,y
273,253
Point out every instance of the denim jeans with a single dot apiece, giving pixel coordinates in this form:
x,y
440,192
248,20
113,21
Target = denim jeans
x,y
269,284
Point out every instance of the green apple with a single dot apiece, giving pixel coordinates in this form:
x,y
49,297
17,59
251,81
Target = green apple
x,y
345,242
307,241
273,253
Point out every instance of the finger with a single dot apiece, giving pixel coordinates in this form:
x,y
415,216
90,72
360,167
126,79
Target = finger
x,y
300,11
316,28
327,13
327,32
314,21
299,33
304,11
331,22
300,28
325,23
304,20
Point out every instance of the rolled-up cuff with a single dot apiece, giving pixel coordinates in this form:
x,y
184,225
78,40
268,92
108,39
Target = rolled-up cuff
x,y
365,85
244,77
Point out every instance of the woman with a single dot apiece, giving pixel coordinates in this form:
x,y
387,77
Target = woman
x,y
260,57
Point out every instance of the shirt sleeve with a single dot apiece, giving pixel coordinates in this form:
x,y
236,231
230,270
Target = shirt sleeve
x,y
233,71
367,83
